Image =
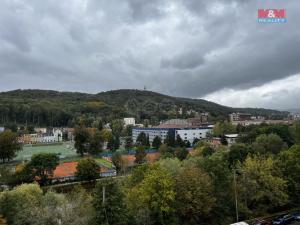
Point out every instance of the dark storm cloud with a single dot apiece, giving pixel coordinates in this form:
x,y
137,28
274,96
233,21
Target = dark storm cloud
x,y
181,47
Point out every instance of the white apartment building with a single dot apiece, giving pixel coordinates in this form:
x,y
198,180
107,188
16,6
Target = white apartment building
x,y
129,121
191,134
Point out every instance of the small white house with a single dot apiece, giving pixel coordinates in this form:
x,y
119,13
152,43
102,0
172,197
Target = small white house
x,y
231,138
2,129
130,121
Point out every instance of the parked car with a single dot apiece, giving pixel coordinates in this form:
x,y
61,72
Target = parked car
x,y
261,222
297,216
283,219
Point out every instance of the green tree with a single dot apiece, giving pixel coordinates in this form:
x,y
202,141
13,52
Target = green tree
x,y
170,139
16,205
195,197
289,164
140,155
238,153
128,143
142,139
26,204
154,194
95,143
259,186
166,151
87,169
179,142
117,160
207,151
9,145
156,143
112,209
295,132
181,153
81,139
271,143
223,128
42,166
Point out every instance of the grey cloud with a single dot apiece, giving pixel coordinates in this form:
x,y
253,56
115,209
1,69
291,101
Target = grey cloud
x,y
181,47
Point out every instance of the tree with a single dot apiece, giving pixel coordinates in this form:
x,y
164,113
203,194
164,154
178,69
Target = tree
x,y
196,140
117,160
111,210
295,132
179,142
95,143
170,139
9,145
156,143
259,186
238,153
207,151
140,155
142,139
181,153
155,194
223,128
116,142
81,139
16,205
288,163
218,169
26,204
188,144
166,151
195,198
224,140
87,169
147,144
42,166
128,143
271,143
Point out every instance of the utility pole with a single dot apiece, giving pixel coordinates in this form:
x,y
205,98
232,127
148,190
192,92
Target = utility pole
x,y
235,195
103,195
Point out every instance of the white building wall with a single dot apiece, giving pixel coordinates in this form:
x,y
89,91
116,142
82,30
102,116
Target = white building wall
x,y
129,121
191,134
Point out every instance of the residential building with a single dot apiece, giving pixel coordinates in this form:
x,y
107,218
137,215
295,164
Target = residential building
x,y
231,138
239,116
186,133
151,132
50,137
190,134
129,121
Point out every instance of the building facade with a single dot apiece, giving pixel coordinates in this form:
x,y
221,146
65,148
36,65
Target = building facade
x,y
190,134
129,121
186,134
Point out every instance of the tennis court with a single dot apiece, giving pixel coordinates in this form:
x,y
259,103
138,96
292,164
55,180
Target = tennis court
x,y
63,150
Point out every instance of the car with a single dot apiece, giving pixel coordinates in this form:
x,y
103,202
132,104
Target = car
x,y
261,222
283,219
297,216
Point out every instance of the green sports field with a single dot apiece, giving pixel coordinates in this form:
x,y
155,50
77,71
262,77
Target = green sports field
x,y
63,150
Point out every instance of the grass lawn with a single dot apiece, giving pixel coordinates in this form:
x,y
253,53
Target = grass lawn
x,y
63,150
104,162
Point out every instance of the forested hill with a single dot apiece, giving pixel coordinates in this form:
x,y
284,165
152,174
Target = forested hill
x,y
52,108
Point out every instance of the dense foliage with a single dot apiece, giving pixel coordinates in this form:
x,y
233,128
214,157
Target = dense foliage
x,y
51,108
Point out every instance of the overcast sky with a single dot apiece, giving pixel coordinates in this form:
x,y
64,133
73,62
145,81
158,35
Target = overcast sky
x,y
212,49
